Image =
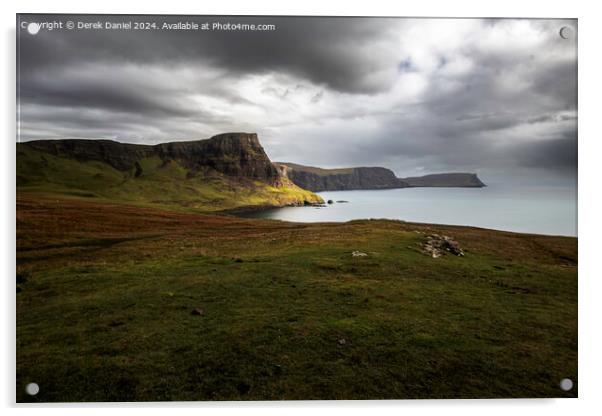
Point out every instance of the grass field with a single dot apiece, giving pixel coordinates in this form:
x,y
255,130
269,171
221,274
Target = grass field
x,y
106,294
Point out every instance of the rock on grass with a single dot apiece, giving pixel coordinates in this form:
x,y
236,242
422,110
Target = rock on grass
x,y
438,245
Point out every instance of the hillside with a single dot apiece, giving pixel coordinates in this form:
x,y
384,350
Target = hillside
x,y
121,297
224,172
120,302
318,179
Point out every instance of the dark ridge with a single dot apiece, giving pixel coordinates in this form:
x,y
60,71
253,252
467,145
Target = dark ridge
x,y
317,179
233,154
122,156
462,180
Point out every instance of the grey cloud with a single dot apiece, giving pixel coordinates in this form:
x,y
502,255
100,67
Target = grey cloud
x,y
513,107
558,153
330,51
96,91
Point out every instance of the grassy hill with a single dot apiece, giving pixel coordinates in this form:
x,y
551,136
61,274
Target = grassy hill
x,y
118,302
154,181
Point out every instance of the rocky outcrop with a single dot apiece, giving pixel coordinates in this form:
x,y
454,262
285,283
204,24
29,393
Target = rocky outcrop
x,y
442,180
317,179
232,154
438,245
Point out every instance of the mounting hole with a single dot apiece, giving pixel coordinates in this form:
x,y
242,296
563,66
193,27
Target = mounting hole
x,y
566,384
32,389
566,32
33,28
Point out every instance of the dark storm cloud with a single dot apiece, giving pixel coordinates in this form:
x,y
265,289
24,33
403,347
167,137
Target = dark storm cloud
x,y
559,152
64,89
410,94
343,54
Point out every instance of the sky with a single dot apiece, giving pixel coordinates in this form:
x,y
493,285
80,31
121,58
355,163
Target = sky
x,y
495,97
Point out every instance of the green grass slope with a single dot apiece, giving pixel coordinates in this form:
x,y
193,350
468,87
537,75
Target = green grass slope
x,y
106,294
161,184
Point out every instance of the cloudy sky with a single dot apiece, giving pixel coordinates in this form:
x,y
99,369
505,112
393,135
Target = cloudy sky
x,y
496,97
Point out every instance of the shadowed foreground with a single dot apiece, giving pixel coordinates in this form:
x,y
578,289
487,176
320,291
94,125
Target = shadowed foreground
x,y
122,303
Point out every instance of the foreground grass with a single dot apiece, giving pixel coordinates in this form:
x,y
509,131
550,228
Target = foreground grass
x,y
106,291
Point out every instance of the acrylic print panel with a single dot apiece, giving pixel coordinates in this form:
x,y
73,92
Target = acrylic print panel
x,y
268,208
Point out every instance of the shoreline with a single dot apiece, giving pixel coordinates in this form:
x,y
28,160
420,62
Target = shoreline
x,y
259,208
254,212
240,212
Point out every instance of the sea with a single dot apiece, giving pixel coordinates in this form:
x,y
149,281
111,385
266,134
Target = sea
x,y
545,210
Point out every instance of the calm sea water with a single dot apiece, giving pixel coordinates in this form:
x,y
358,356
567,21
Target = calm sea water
x,y
541,210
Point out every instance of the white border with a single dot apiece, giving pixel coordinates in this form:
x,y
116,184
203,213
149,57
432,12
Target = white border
x,y
590,288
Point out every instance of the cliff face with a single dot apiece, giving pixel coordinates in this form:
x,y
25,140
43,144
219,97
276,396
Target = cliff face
x,y
240,157
461,180
317,180
226,172
233,154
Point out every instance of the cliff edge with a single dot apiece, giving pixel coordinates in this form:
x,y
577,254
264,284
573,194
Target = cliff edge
x,y
356,178
228,171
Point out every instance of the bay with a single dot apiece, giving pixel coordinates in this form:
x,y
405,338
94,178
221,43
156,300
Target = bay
x,y
539,210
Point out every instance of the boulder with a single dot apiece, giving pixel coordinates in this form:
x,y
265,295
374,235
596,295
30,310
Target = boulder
x,y
438,245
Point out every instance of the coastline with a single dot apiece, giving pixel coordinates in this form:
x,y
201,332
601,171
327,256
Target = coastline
x,y
246,209
496,208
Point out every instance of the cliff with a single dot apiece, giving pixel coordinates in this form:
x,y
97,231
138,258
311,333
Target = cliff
x,y
232,154
228,171
317,179
460,180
